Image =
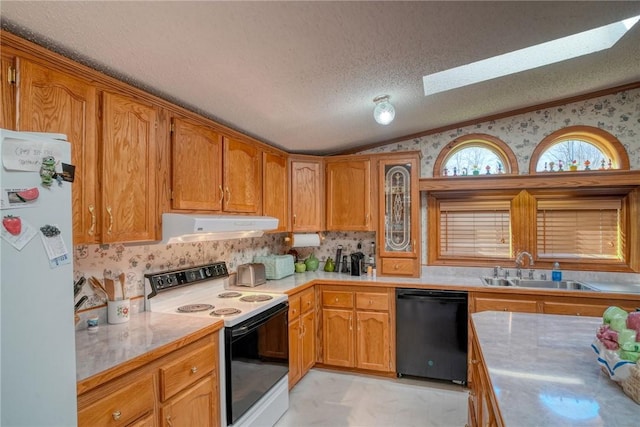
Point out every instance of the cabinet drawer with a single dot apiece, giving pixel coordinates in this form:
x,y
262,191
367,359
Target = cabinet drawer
x,y
186,370
337,299
495,304
372,301
307,300
398,266
130,402
573,309
294,307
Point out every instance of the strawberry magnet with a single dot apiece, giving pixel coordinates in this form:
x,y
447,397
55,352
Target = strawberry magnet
x,y
13,224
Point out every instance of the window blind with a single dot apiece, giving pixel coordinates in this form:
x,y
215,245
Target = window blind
x,y
586,228
478,229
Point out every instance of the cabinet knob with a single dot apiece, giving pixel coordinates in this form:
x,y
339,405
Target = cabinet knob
x,y
116,415
336,299
228,195
194,370
504,309
221,193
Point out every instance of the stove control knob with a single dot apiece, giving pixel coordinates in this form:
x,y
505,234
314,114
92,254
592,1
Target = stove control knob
x,y
207,271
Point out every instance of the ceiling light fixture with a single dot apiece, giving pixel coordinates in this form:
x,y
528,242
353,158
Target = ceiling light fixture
x,y
384,112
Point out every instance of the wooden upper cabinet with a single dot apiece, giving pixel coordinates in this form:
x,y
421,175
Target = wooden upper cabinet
x,y
128,170
197,166
242,179
306,195
52,101
275,195
399,225
348,195
8,88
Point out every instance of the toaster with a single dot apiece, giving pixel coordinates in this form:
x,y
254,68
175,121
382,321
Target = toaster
x,y
252,274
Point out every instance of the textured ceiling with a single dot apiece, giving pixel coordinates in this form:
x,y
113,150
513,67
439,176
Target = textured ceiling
x,y
302,75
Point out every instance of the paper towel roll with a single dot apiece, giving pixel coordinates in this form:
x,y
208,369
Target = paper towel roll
x,y
305,240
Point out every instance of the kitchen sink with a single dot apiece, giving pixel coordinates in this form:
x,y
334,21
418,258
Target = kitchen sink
x,y
540,284
492,281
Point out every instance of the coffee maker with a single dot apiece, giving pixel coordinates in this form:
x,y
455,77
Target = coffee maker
x,y
357,264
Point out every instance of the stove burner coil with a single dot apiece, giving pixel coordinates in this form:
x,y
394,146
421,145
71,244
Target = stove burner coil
x,y
256,298
228,311
194,308
230,294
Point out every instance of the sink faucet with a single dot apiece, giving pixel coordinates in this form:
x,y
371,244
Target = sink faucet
x,y
522,255
519,257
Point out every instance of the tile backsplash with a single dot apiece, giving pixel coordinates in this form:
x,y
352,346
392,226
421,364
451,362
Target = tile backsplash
x,y
137,260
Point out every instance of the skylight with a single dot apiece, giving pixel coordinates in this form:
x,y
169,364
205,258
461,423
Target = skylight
x,y
550,52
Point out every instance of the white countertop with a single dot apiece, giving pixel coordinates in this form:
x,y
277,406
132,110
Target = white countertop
x,y
112,345
429,278
544,372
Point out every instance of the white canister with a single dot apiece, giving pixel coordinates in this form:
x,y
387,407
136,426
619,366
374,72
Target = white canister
x,y
118,311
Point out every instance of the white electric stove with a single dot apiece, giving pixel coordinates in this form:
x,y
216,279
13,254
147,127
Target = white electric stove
x,y
254,359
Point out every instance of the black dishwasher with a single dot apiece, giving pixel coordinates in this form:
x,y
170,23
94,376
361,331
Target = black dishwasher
x,y
431,334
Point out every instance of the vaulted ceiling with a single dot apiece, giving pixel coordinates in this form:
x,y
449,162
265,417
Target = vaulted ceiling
x,y
302,75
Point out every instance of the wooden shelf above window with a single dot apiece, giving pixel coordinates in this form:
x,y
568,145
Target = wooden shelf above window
x,y
578,179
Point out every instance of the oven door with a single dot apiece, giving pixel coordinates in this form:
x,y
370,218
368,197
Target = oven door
x,y
256,358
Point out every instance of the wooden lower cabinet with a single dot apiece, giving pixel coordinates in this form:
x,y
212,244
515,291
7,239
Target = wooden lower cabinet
x,y
302,334
568,304
356,328
195,406
483,410
177,389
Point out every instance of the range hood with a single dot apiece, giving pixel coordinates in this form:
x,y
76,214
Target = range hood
x,y
185,228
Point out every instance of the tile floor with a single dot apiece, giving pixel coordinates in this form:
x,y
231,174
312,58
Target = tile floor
x,y
333,399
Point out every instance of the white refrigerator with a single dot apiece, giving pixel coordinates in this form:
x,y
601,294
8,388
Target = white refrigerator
x,y
37,328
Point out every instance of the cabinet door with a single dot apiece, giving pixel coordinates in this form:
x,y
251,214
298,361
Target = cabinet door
x,y
275,195
306,196
348,193
295,353
399,203
128,170
196,406
337,329
372,341
242,176
308,344
197,167
8,88
51,101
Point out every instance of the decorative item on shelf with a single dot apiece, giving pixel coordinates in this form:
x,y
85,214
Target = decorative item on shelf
x,y
551,165
384,112
586,165
609,165
464,171
545,167
446,172
560,166
476,170
601,168
488,168
500,168
573,166
455,171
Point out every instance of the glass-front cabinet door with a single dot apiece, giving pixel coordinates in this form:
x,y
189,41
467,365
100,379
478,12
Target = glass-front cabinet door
x,y
398,234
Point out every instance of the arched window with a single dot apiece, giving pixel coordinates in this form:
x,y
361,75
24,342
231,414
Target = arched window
x,y
475,154
578,148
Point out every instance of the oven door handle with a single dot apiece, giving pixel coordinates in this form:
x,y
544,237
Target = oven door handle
x,y
238,331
